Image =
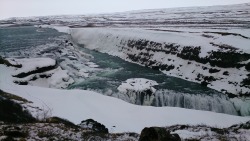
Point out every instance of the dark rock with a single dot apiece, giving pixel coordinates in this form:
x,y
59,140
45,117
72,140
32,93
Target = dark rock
x,y
209,78
170,67
38,70
226,73
44,76
21,82
247,66
7,63
204,68
246,81
211,70
33,79
94,125
204,83
157,134
190,53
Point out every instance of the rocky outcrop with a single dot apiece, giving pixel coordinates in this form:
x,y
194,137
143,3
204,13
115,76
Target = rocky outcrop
x,y
8,63
36,70
94,126
139,91
158,134
214,62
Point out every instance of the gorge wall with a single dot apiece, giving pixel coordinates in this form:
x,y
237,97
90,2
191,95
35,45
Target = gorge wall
x,y
214,58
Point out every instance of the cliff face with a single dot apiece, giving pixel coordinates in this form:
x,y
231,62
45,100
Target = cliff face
x,y
219,59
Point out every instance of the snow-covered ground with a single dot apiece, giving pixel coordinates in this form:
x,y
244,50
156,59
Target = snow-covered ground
x,y
239,132
115,114
198,17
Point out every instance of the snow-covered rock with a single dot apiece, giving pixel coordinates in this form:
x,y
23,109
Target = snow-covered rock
x,y
34,65
94,126
41,72
239,132
139,90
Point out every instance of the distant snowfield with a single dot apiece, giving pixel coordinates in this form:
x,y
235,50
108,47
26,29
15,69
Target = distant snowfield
x,y
115,114
59,28
180,36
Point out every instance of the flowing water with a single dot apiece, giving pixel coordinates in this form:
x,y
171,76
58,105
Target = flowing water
x,y
113,71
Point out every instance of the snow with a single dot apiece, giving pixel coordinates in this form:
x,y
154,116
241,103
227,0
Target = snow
x,y
59,28
78,105
185,134
137,84
56,78
29,65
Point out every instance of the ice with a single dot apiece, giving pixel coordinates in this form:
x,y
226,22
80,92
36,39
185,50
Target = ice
x,y
242,106
214,102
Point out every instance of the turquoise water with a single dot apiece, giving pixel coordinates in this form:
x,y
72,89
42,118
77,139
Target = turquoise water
x,y
18,38
117,70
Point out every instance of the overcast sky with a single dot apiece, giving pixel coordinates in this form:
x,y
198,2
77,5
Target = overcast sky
x,y
23,8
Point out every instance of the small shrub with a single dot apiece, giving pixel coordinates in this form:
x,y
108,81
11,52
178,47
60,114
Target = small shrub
x,y
44,114
61,120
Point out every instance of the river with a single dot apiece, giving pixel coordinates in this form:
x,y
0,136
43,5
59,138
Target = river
x,y
113,71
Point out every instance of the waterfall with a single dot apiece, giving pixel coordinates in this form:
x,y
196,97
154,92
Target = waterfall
x,y
216,103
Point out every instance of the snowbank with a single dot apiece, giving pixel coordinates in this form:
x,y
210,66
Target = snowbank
x,y
115,114
41,72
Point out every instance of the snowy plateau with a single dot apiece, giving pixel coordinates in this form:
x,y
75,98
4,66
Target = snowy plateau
x,y
205,46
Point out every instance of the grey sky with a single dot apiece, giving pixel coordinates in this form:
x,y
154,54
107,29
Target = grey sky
x,y
23,8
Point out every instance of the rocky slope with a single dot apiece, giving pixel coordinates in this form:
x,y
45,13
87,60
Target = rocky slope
x,y
18,124
216,58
